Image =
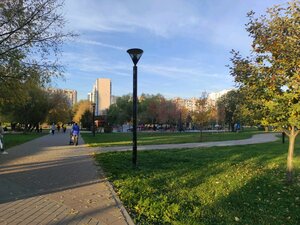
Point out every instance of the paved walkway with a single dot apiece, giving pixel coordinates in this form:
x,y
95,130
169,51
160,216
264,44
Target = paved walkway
x,y
46,181
255,139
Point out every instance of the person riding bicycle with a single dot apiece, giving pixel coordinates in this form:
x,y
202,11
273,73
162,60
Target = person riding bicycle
x,y
75,132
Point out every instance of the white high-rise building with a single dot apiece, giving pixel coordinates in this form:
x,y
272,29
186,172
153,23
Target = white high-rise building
x,y
214,96
101,95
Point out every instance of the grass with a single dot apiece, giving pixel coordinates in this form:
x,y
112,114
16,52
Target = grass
x,y
11,140
218,185
150,138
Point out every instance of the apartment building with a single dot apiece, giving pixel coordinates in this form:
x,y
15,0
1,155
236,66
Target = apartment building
x,y
101,95
190,103
71,94
214,96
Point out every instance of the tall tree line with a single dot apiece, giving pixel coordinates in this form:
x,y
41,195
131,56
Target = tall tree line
x,y
31,35
157,110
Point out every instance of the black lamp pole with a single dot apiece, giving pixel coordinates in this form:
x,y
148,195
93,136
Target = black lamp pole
x,y
135,54
94,105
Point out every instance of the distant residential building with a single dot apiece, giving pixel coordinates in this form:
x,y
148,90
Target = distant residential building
x,y
214,96
101,95
190,103
71,94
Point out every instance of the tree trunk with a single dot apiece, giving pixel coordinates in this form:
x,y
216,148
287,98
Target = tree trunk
x,y
289,172
201,134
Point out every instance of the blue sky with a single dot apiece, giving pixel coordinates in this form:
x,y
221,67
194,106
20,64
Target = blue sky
x,y
186,44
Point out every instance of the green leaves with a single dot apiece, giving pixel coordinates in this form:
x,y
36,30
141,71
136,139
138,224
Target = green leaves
x,y
31,36
274,64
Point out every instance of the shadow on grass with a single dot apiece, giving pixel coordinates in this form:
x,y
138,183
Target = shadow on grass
x,y
148,138
218,185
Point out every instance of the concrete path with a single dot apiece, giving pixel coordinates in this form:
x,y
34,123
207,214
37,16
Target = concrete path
x,y
47,181
255,139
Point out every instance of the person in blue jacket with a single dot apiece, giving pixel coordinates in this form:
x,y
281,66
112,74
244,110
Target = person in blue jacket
x,y
75,132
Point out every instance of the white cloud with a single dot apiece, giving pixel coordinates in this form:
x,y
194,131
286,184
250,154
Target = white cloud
x,y
163,18
90,42
174,69
180,69
212,21
174,72
94,65
205,21
186,42
162,77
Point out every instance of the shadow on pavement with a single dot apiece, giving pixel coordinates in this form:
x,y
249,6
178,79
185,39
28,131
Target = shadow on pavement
x,y
44,165
28,180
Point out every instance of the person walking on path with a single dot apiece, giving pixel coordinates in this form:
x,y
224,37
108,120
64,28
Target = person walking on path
x,y
52,128
2,140
64,127
58,128
75,133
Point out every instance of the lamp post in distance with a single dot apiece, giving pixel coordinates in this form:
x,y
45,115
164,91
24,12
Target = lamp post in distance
x,y
135,55
93,118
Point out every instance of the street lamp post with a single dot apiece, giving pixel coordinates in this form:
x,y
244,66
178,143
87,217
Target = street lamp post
x,y
135,54
94,106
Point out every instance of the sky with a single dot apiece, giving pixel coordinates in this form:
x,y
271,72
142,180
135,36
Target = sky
x,y
186,44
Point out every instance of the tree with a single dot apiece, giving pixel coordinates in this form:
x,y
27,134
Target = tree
x,y
16,91
152,109
31,34
230,104
175,114
155,109
31,112
270,76
86,119
80,108
149,108
120,112
213,115
60,108
113,115
201,114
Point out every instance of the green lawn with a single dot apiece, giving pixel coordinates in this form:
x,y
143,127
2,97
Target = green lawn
x,y
149,138
11,140
218,185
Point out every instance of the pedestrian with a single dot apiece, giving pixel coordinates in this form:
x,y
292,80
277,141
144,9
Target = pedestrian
x,y
75,133
52,128
238,127
64,127
58,127
2,140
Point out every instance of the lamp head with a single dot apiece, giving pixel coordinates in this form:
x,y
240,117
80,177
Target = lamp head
x,y
135,54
